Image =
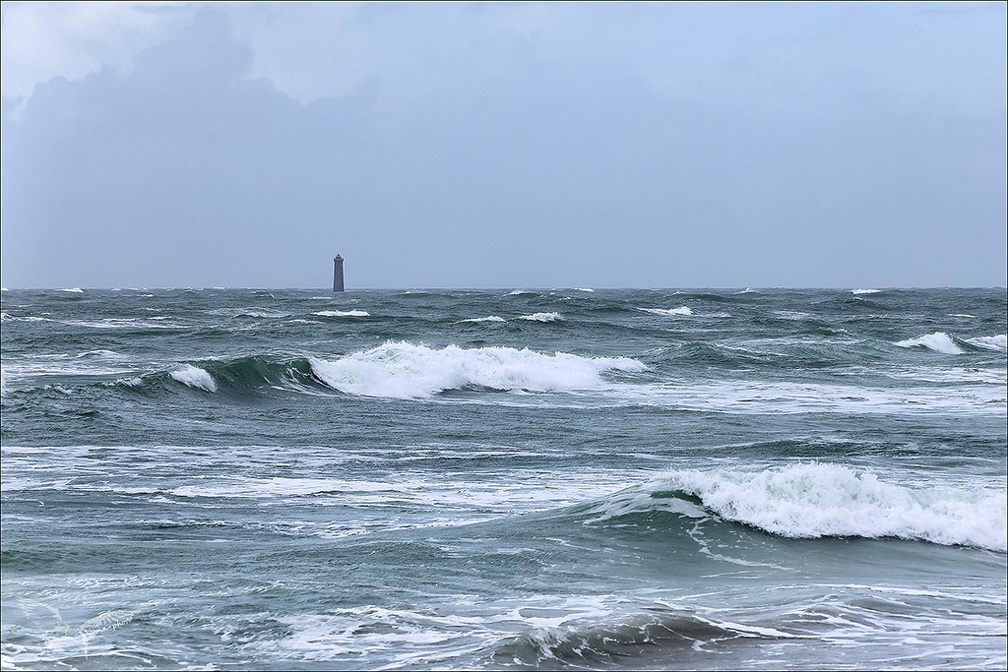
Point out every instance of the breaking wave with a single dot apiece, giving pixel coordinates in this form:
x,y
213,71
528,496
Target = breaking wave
x,y
999,342
815,500
407,371
938,341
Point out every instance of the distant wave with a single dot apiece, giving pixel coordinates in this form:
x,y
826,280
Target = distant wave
x,y
154,322
4,317
542,317
248,312
342,313
865,291
938,341
73,290
822,500
489,318
668,311
407,371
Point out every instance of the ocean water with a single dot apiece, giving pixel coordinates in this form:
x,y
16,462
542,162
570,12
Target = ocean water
x,y
545,479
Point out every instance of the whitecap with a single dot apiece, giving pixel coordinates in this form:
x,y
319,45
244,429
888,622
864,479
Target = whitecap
x,y
938,341
865,291
194,376
73,290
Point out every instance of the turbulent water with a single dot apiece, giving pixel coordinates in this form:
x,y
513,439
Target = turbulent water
x,y
611,479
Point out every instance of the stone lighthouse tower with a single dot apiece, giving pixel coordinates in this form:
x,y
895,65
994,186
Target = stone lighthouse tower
x,y
337,273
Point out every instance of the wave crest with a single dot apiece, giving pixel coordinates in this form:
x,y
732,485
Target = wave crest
x,y
193,376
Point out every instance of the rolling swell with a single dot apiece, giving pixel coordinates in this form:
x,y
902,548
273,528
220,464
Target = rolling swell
x,y
242,377
637,640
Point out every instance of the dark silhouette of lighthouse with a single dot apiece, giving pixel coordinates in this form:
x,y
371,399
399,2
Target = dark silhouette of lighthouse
x,y
337,273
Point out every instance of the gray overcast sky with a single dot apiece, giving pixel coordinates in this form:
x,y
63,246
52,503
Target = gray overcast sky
x,y
504,145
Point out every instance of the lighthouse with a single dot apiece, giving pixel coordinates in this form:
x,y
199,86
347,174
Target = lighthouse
x,y
337,273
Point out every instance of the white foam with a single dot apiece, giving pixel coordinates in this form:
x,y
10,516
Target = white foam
x,y
865,291
998,342
194,376
404,370
668,311
584,289
816,500
938,341
342,313
73,290
542,317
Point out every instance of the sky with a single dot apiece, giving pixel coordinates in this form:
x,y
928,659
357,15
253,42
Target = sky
x,y
497,145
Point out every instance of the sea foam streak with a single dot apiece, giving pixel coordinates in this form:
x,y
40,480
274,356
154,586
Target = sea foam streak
x,y
820,500
407,371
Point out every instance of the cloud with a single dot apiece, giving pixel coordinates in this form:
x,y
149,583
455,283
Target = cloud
x,y
495,158
42,40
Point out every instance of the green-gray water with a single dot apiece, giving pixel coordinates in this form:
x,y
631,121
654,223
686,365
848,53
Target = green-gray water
x,y
609,479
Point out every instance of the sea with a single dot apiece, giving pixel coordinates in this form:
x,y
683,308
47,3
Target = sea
x,y
555,479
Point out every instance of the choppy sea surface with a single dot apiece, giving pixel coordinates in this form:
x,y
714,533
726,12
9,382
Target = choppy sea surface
x,y
512,479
